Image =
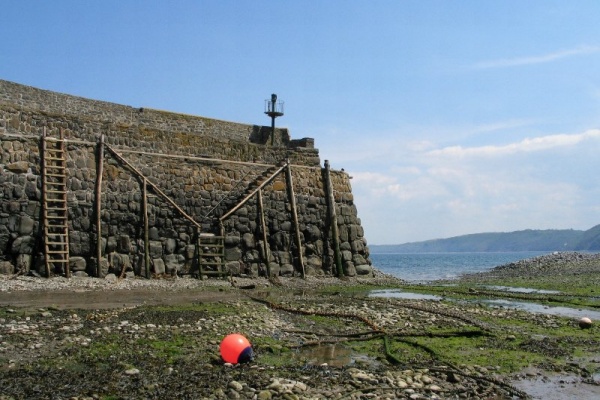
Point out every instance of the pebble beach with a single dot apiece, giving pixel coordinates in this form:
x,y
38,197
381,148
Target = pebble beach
x,y
88,338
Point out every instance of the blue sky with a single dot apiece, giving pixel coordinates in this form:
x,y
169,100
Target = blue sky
x,y
452,117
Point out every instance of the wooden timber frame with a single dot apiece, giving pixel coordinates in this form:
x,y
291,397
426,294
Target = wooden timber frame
x,y
286,168
145,184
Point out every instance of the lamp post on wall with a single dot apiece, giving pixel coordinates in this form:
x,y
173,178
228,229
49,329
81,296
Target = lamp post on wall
x,y
273,109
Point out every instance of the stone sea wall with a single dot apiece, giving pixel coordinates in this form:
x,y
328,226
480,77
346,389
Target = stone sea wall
x,y
194,165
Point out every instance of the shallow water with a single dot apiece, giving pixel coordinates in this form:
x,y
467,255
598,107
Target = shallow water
x,y
521,305
399,294
425,267
521,290
559,387
333,355
542,309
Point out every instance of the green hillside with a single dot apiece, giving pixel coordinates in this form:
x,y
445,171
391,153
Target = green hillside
x,y
527,240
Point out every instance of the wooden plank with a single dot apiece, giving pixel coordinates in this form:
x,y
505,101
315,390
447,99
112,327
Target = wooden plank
x,y
248,197
98,204
153,186
292,199
261,213
146,233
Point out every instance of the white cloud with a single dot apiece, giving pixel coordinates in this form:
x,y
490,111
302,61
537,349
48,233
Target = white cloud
x,y
544,58
526,145
424,197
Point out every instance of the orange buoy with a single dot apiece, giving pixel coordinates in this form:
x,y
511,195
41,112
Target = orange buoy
x,y
235,349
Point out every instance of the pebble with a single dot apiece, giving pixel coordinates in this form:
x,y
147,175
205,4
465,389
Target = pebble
x,y
132,371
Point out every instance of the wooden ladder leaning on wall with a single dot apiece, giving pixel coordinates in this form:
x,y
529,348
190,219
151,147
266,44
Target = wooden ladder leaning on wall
x,y
55,211
211,255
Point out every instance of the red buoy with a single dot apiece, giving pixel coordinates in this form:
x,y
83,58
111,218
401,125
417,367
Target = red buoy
x,y
235,349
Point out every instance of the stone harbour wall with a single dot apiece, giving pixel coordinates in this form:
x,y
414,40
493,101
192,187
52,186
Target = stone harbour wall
x,y
205,167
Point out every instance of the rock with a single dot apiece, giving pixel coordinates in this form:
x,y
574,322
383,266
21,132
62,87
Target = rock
x,y
19,167
363,269
264,395
434,388
132,371
235,385
585,323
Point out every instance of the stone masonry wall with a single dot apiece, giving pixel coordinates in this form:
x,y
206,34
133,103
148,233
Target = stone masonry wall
x,y
205,166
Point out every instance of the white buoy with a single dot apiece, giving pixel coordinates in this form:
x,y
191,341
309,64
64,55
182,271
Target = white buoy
x,y
585,323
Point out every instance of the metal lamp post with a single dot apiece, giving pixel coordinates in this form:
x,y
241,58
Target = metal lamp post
x,y
273,110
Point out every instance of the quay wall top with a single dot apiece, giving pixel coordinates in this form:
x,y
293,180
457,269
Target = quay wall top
x,y
27,98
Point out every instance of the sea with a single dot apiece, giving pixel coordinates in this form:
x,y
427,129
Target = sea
x,y
425,267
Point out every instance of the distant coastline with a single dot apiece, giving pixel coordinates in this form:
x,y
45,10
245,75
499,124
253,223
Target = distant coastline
x,y
525,240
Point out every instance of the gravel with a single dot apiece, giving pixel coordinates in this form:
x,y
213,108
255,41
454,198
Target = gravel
x,y
108,341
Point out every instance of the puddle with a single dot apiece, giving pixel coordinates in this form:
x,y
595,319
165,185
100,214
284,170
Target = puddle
x,y
542,309
333,355
521,290
559,387
399,294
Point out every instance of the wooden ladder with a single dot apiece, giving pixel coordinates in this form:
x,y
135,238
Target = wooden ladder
x,y
56,224
211,255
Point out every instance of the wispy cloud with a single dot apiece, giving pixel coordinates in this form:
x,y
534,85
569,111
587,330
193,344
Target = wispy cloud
x,y
525,145
539,59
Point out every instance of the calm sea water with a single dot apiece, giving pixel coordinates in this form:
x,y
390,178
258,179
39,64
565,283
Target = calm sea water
x,y
424,267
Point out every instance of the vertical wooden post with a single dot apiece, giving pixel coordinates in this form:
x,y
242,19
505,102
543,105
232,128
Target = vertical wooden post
x,y
146,239
223,260
199,249
266,252
292,199
99,172
335,235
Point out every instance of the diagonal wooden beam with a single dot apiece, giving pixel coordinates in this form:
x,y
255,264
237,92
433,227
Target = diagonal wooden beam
x,y
153,186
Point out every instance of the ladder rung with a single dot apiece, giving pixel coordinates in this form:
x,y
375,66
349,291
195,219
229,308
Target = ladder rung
x,y
56,175
55,234
57,251
61,260
211,254
54,166
211,263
